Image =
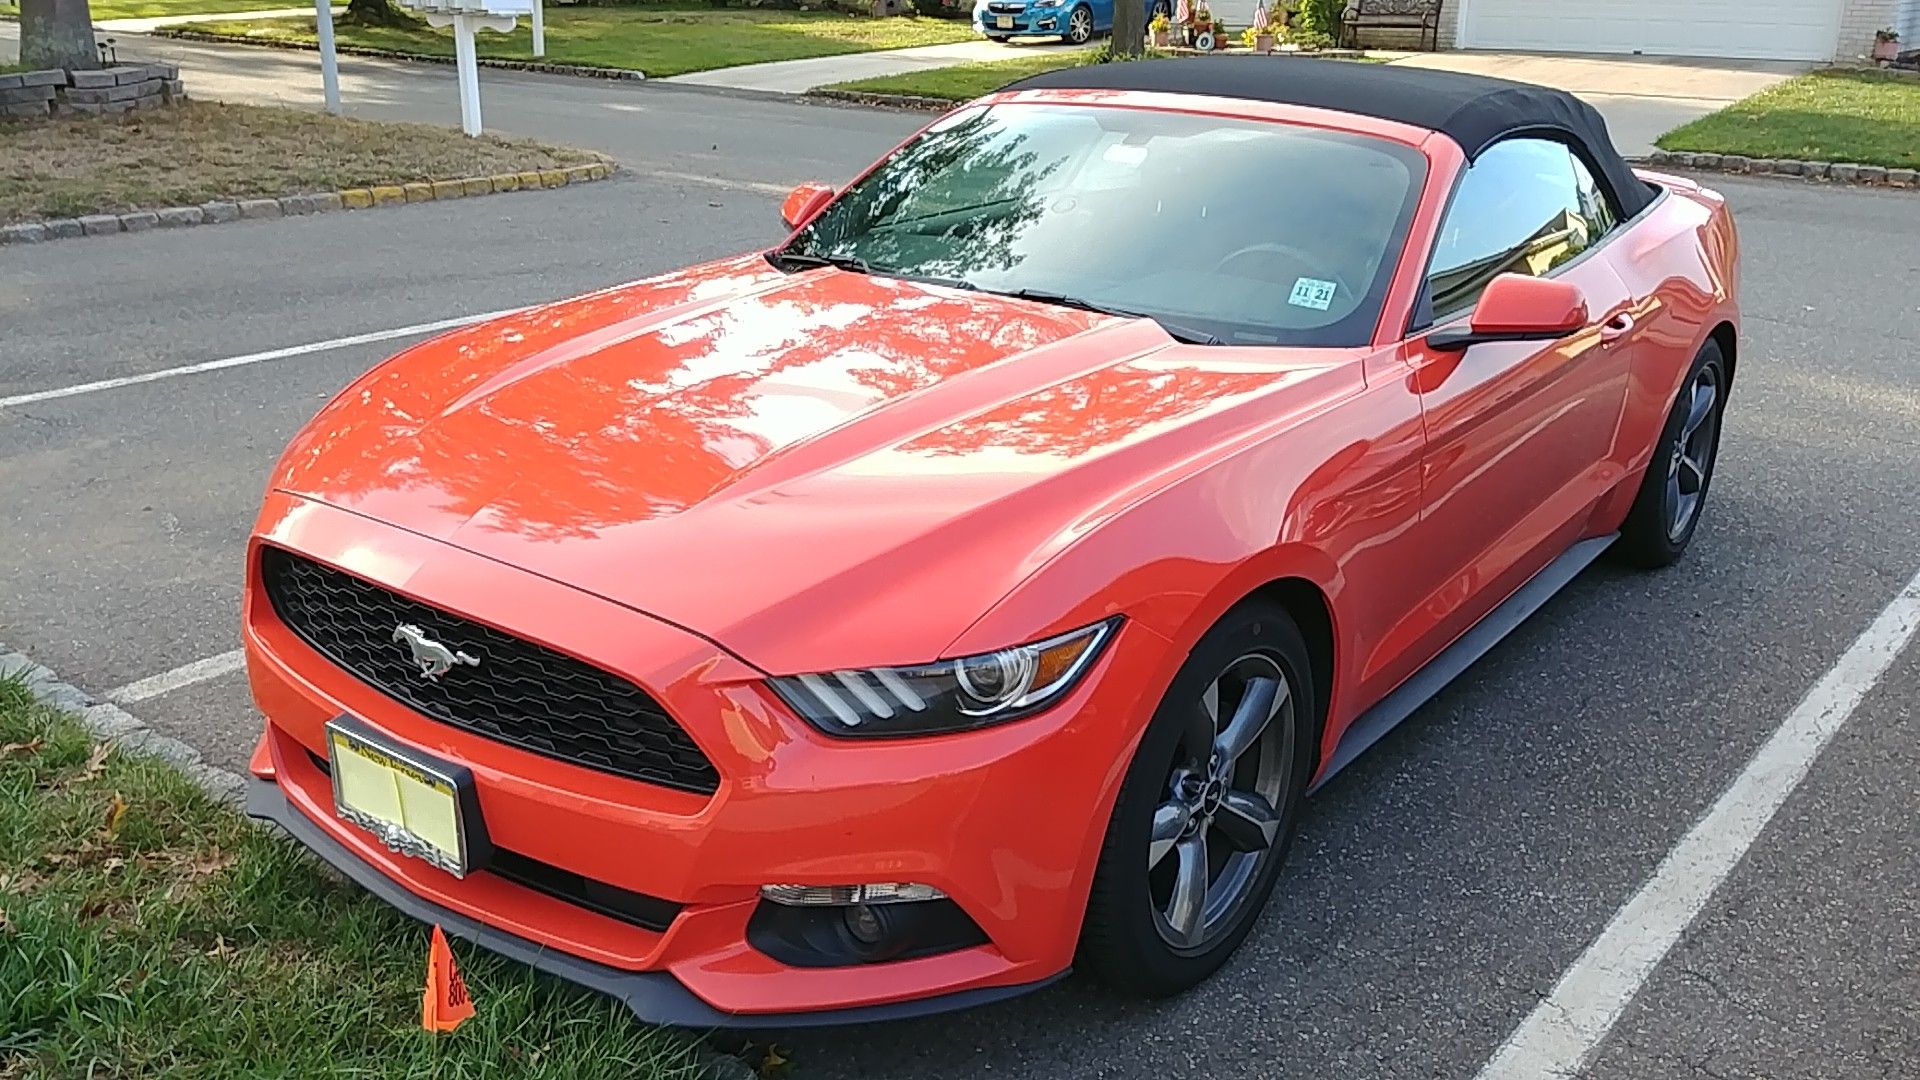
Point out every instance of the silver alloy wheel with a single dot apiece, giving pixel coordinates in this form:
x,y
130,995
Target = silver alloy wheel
x,y
1080,26
1692,460
1216,825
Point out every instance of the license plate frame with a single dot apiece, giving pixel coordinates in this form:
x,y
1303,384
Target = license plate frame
x,y
1003,22
427,810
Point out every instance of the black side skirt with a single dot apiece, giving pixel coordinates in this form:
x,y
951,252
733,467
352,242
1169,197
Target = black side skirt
x,y
1457,657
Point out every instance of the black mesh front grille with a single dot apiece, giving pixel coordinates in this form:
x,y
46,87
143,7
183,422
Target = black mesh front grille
x,y
519,693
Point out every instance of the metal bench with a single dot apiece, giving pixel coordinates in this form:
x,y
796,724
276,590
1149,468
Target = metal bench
x,y
1421,15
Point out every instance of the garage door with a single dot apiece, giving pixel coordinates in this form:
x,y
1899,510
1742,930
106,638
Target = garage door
x,y
1762,29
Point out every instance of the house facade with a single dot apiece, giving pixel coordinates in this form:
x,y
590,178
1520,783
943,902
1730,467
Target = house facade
x,y
1751,29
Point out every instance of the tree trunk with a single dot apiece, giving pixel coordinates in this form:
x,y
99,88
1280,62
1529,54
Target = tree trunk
x,y
375,13
1129,28
57,34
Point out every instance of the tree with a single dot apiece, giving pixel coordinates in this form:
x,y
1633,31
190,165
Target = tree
x,y
375,13
1129,29
57,34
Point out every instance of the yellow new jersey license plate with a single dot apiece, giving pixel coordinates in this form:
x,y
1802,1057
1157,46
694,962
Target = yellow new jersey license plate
x,y
1004,22
412,806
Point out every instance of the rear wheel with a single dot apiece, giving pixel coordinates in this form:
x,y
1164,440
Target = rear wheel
x,y
1674,492
1079,26
1207,810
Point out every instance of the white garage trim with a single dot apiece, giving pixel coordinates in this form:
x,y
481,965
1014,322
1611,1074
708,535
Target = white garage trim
x,y
1753,29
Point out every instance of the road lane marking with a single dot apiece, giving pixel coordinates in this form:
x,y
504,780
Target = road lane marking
x,y
254,358
185,675
756,186
1556,1039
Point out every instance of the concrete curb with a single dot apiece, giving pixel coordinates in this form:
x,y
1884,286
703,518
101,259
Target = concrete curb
x,y
884,101
111,724
219,211
1834,172
580,70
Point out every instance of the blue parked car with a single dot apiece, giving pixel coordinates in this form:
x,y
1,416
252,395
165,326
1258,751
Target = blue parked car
x,y
1073,21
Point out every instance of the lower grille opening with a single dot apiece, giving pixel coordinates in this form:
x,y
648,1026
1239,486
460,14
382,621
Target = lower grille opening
x,y
636,909
819,937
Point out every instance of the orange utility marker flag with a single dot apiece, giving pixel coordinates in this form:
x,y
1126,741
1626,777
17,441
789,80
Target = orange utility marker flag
x,y
445,1003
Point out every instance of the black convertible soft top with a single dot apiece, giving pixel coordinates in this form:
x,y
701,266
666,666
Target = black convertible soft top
x,y
1473,110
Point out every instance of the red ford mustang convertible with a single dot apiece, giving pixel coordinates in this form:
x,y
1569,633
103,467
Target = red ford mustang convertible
x,y
972,586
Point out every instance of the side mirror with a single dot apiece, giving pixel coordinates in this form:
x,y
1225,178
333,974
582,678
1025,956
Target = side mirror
x,y
803,202
1516,307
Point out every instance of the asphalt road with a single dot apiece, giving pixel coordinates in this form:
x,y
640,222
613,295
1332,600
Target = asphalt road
x,y
1437,890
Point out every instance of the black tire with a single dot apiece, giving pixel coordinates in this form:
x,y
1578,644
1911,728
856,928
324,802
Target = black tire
x,y
1159,7
1079,26
1665,514
1125,940
1000,40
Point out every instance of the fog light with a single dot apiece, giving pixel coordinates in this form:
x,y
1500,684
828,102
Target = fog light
x,y
886,892
864,924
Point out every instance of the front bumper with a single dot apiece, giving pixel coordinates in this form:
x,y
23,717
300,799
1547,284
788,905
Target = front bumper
x,y
1030,22
1006,821
654,996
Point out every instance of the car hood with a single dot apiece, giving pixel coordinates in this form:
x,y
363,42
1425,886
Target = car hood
x,y
794,466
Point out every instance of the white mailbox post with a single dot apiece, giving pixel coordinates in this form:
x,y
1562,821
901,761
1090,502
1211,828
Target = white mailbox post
x,y
466,17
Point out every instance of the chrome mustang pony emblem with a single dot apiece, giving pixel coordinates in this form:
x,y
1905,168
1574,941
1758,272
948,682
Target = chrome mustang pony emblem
x,y
434,658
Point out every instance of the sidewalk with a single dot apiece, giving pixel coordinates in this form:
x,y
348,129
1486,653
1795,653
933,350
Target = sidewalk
x,y
145,26
800,76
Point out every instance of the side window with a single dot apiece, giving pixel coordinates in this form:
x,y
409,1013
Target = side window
x,y
1525,207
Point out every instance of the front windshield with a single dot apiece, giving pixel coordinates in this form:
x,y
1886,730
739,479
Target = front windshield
x,y
1250,232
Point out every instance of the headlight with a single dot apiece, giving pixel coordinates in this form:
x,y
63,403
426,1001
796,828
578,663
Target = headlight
x,y
947,695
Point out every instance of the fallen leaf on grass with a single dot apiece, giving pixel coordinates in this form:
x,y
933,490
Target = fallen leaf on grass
x,y
96,761
221,950
29,747
775,1062
116,810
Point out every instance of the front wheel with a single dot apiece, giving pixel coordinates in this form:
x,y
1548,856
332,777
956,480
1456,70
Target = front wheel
x,y
1207,809
1079,26
1674,492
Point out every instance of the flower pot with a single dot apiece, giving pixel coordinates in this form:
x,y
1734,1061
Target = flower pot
x,y
1263,42
1159,39
1886,50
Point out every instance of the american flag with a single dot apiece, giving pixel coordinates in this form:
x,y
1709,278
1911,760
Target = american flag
x,y
1260,17
1181,13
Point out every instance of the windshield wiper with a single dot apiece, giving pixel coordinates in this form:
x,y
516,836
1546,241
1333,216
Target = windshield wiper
x,y
1186,334
800,260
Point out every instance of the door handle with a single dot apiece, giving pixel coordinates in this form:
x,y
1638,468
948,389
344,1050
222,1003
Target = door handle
x,y
1617,327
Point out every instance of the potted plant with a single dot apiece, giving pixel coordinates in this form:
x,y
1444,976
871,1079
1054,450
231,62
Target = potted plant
x,y
1202,24
1886,45
1262,34
1161,26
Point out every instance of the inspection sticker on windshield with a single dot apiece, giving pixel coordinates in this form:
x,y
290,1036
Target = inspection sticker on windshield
x,y
1312,293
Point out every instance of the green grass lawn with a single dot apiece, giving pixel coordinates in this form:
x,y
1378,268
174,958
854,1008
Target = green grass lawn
x,y
147,931
1868,117
964,82
200,150
148,9
656,39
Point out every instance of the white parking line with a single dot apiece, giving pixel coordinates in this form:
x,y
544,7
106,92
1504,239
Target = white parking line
x,y
185,675
1563,1030
253,358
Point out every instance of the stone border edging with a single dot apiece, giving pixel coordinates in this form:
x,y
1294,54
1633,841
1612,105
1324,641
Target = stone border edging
x,y
581,70
109,723
1740,164
887,101
221,211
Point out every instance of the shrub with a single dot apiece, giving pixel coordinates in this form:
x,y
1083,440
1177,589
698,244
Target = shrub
x,y
1319,17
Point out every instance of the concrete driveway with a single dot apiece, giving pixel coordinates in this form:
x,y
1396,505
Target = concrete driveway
x,y
1642,97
